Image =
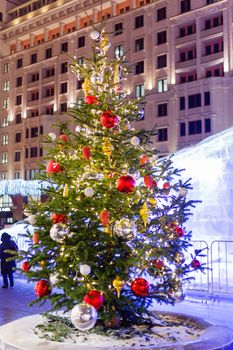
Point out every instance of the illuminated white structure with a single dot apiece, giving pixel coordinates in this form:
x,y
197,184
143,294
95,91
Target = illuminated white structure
x,y
181,56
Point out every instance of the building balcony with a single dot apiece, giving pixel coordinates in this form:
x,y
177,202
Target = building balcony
x,y
47,99
32,103
186,64
32,84
211,31
212,57
185,39
48,79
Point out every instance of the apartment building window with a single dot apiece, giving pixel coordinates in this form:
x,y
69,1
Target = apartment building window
x,y
139,21
34,113
185,6
27,133
207,98
3,176
161,61
5,103
208,125
195,127
63,88
187,30
139,90
182,103
35,77
63,107
161,14
4,158
141,113
33,152
41,130
214,22
26,153
6,68
162,85
182,129
188,54
194,101
5,122
18,100
139,67
41,152
139,44
161,37
17,137
215,72
64,67
162,134
17,156
19,81
81,41
64,47
33,58
49,72
5,140
79,84
118,51
48,53
118,28
16,175
49,92
18,118
212,48
80,61
35,96
34,131
19,63
162,109
6,85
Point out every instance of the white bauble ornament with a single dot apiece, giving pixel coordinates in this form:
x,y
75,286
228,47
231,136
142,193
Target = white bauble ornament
x,y
27,212
32,219
183,192
89,192
135,141
83,316
53,279
178,295
125,228
85,269
95,35
96,79
52,136
58,232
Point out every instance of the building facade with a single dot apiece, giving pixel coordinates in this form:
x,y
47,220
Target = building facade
x,y
182,63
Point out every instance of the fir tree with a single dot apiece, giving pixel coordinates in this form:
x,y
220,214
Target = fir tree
x,y
111,230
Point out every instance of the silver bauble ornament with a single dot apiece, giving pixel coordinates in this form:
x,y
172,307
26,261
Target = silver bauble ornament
x,y
58,232
84,269
179,258
32,219
183,192
52,136
95,35
125,228
53,279
96,79
89,192
178,295
83,316
135,141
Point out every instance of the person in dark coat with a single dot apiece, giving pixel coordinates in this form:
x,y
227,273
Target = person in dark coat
x,y
7,266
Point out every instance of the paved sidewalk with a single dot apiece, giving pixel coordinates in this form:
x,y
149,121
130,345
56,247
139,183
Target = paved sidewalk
x,y
14,301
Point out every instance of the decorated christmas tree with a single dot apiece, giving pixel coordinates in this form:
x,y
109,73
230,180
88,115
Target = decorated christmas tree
x,y
110,237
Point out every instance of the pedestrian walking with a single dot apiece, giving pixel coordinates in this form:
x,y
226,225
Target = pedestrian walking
x,y
7,267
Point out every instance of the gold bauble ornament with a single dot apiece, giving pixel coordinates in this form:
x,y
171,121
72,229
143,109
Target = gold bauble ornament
x,y
86,86
144,212
118,285
65,191
152,202
107,147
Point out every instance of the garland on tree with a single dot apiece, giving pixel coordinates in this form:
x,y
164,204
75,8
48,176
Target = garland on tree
x,y
110,238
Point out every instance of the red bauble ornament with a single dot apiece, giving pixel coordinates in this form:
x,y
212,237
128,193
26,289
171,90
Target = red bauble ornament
x,y
94,298
148,181
195,264
158,264
125,183
35,238
90,100
104,216
108,120
42,288
59,218
143,159
140,287
166,185
86,151
25,266
63,137
53,167
179,231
